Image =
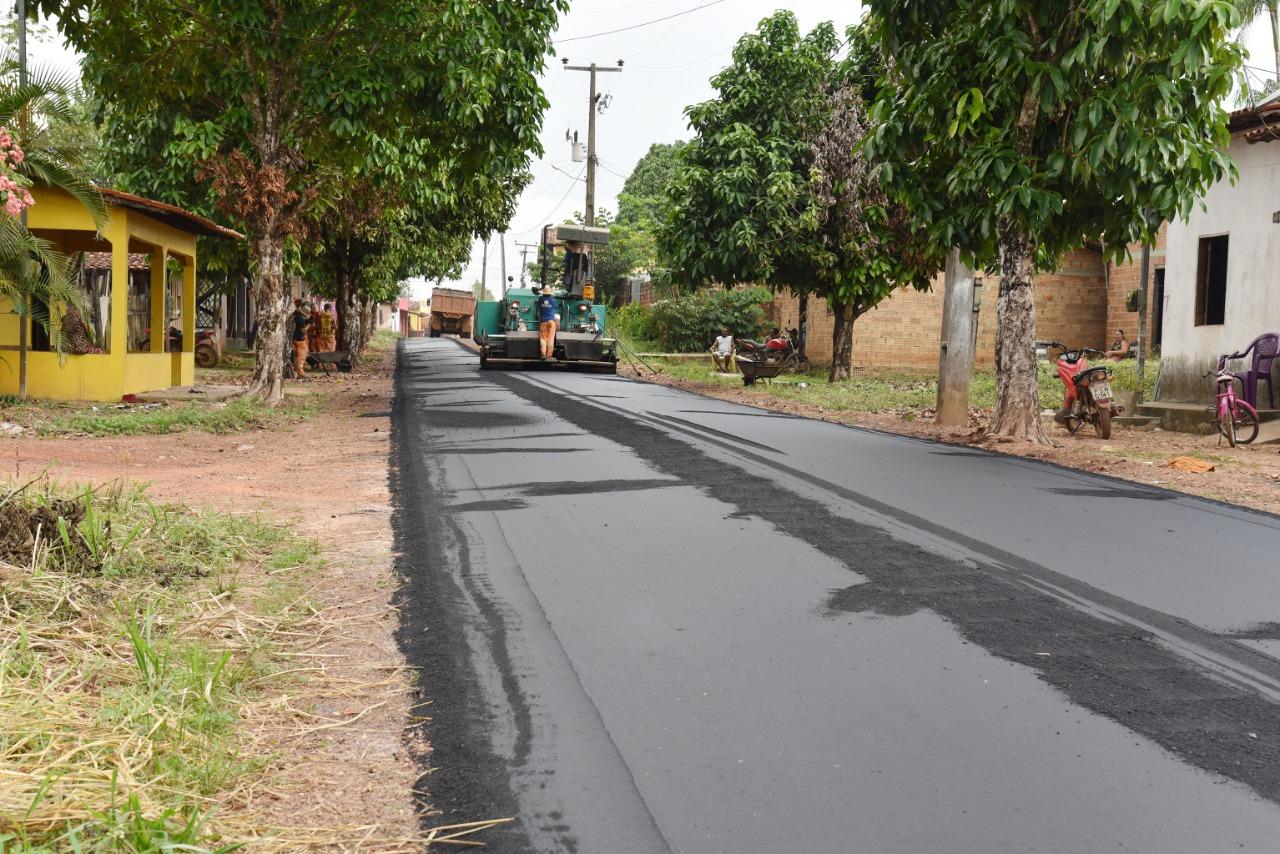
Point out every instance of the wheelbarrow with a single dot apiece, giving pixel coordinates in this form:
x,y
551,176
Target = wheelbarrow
x,y
757,366
326,361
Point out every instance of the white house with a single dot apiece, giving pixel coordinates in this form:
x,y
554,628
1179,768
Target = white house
x,y
1222,264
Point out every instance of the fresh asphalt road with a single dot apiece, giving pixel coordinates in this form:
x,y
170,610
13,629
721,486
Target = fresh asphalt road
x,y
649,621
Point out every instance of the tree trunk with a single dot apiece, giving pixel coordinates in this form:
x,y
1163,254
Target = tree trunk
x,y
270,299
349,311
842,342
368,320
1017,412
340,305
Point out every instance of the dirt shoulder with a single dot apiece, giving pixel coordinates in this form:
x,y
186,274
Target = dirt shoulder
x,y
1246,475
349,775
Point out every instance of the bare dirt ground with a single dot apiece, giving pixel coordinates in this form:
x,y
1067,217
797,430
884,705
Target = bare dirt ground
x,y
348,773
1245,475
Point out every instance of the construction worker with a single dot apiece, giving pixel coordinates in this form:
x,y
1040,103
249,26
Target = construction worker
x,y
300,323
547,307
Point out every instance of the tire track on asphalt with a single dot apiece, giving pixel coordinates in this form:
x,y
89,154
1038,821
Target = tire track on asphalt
x,y
1017,610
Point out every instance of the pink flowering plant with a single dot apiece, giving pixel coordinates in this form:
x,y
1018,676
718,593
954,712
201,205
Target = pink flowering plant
x,y
15,194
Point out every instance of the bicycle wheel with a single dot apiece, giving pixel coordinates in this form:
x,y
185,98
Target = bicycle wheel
x,y
1244,422
1227,425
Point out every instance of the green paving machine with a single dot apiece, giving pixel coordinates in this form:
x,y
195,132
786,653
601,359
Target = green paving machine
x,y
507,329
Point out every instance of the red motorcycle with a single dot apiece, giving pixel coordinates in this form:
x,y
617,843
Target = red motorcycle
x,y
1088,396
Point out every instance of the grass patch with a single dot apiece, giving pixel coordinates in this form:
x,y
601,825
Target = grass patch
x,y
131,647
234,416
383,340
234,363
639,345
884,391
1126,376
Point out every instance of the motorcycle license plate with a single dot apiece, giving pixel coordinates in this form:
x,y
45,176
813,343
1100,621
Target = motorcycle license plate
x,y
1101,390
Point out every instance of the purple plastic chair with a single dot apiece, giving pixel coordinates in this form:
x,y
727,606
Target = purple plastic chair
x,y
1264,349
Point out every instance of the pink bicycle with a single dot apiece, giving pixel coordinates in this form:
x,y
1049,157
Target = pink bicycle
x,y
1237,420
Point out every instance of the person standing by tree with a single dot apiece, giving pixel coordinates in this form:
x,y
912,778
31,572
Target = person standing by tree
x,y
327,329
300,321
547,306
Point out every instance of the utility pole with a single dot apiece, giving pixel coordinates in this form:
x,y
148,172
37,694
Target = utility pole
x,y
502,254
524,259
484,270
23,319
961,302
593,106
1142,319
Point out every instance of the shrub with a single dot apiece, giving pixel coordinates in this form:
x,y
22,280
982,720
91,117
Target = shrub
x,y
689,324
633,320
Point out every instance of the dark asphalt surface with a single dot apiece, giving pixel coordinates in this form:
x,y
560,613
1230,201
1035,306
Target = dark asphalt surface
x,y
649,621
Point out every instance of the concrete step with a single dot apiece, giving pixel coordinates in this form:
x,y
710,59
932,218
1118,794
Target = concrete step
x,y
1180,417
1268,433
1137,422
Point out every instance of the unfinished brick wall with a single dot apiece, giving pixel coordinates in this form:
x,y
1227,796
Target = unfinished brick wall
x,y
904,331
1127,277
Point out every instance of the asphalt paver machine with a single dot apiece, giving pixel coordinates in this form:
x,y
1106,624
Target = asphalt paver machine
x,y
507,329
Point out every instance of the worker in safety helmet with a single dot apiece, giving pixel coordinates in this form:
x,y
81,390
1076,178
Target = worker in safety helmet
x,y
547,306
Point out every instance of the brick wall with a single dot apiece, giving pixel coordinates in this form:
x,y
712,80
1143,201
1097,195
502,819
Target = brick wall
x,y
904,331
1127,277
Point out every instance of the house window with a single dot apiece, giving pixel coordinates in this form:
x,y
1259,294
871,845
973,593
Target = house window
x,y
1211,281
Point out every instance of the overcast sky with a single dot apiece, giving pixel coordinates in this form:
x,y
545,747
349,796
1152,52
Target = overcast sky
x,y
668,66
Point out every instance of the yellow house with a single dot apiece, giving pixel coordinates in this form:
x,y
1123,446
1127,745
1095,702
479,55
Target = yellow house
x,y
124,302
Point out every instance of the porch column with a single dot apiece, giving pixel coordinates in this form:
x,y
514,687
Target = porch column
x,y
119,237
189,304
159,300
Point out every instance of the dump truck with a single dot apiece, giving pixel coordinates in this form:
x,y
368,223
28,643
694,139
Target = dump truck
x,y
507,332
452,313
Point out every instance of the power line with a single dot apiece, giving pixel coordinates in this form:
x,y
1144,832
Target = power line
x,y
543,220
671,29
638,26
609,168
719,52
562,172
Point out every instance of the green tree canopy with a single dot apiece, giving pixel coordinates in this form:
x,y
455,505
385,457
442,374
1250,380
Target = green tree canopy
x,y
268,108
1017,130
773,188
643,200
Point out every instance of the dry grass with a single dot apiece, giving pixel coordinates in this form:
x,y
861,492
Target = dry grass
x,y
153,662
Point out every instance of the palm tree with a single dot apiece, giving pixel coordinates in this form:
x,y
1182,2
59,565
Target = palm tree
x,y
33,274
1251,9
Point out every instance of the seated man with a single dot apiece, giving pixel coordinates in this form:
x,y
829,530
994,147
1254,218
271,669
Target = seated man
x,y
722,351
776,341
1119,347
